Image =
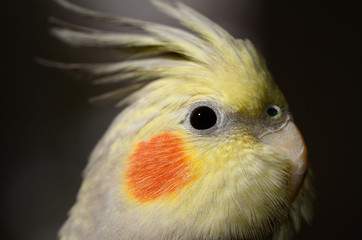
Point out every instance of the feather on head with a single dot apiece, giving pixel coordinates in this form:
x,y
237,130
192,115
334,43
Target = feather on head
x,y
207,55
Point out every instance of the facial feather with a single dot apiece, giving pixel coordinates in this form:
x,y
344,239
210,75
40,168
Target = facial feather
x,y
154,175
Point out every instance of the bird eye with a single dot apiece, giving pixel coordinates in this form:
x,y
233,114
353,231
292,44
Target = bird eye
x,y
273,111
203,118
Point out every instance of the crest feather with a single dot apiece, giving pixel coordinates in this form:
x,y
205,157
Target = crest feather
x,y
159,51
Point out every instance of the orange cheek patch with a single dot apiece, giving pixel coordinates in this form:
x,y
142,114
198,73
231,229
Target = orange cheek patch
x,y
158,167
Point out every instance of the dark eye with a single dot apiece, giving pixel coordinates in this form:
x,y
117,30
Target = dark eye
x,y
203,118
273,111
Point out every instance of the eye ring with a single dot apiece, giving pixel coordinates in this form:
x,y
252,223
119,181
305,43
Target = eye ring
x,y
204,118
273,111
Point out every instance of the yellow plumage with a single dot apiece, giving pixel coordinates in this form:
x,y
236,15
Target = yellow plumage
x,y
205,149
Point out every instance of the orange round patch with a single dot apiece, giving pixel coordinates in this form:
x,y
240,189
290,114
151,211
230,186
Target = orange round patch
x,y
158,167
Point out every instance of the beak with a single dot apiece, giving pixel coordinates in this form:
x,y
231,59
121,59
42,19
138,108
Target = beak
x,y
290,141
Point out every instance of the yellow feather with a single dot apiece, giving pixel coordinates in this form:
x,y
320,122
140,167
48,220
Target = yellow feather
x,y
240,185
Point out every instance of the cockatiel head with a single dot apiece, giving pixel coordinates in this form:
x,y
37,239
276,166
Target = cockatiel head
x,y
206,147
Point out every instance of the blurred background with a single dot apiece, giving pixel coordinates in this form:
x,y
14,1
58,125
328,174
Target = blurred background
x,y
312,48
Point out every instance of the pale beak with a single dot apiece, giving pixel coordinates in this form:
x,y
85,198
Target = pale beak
x,y
290,141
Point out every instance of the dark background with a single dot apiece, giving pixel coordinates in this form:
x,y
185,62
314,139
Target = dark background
x,y
313,49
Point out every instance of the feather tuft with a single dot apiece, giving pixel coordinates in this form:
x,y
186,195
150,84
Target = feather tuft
x,y
158,52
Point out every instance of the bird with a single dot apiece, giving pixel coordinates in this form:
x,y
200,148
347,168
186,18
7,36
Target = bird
x,y
204,146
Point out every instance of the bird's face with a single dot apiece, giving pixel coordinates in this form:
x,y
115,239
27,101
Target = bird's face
x,y
229,164
206,148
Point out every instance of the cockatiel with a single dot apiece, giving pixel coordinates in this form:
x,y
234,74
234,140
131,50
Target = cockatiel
x,y
205,147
